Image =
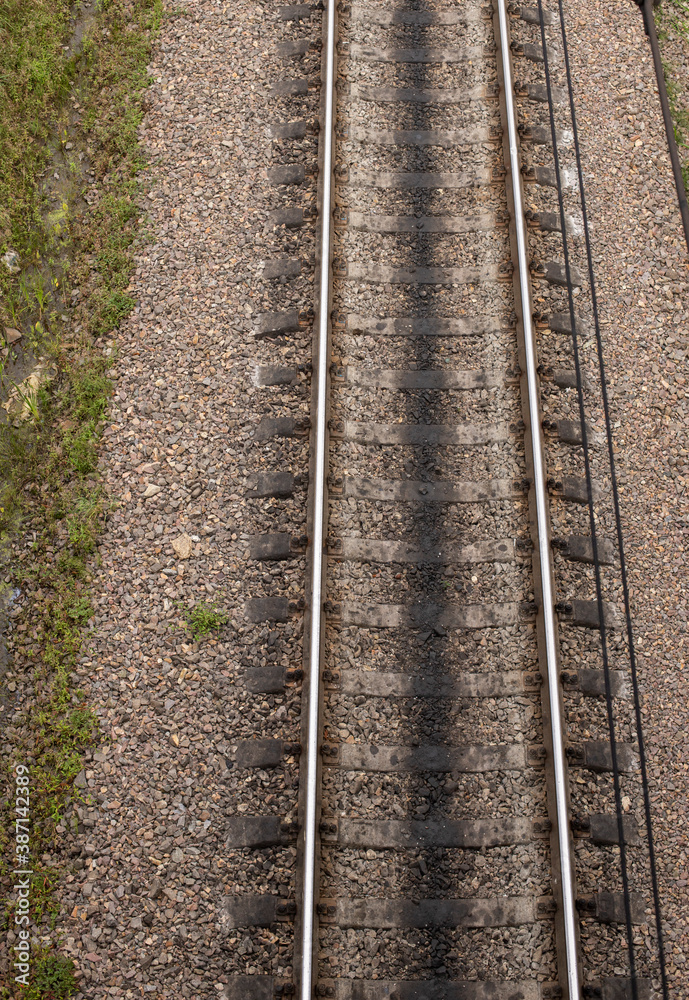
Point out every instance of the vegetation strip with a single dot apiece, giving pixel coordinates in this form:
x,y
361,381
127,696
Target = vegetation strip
x,y
672,24
74,80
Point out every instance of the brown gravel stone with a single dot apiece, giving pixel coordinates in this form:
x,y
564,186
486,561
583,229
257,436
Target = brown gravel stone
x,y
183,546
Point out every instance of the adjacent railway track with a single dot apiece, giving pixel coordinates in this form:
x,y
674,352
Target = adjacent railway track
x,y
460,812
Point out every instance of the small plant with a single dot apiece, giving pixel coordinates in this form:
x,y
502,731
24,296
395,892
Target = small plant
x,y
30,401
205,618
40,293
13,306
81,451
82,525
91,391
53,977
78,729
71,566
25,290
80,535
78,611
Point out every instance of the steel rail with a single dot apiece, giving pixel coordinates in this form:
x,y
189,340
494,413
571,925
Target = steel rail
x,y
311,798
544,551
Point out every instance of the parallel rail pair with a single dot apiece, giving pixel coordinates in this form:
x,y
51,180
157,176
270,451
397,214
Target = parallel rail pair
x,y
310,858
437,804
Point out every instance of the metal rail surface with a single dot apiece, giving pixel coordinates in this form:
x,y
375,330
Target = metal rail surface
x,y
313,743
544,541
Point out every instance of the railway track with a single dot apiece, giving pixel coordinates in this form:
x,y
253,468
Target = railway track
x,y
467,825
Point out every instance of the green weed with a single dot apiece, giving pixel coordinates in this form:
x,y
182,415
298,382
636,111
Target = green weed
x,y
204,618
81,451
71,566
83,524
91,389
29,398
53,979
112,307
677,13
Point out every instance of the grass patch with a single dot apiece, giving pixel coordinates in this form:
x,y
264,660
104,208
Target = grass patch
x,y
107,241
34,80
204,618
52,506
53,979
